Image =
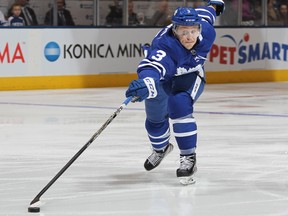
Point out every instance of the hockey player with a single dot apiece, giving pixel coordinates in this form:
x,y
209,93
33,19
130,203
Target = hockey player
x,y
171,79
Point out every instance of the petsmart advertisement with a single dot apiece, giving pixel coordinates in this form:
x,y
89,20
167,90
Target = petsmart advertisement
x,y
76,58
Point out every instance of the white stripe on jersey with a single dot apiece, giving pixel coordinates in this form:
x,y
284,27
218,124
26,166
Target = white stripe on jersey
x,y
209,14
161,69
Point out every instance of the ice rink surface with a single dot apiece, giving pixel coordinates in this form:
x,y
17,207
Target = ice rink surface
x,y
242,154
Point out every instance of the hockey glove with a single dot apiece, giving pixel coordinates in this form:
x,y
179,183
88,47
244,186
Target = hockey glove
x,y
142,89
219,4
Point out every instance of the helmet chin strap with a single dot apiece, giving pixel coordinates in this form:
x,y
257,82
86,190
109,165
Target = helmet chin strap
x,y
174,31
174,28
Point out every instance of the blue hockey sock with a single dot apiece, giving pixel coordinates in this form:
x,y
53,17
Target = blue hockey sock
x,y
158,133
185,131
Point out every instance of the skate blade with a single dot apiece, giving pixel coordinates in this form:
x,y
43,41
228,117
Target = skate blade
x,y
187,180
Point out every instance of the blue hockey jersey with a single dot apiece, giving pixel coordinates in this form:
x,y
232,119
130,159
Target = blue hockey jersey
x,y
167,57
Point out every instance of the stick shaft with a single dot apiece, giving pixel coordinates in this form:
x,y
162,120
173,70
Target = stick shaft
x,y
68,164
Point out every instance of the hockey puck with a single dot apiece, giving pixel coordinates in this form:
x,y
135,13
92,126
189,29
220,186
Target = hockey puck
x,y
33,209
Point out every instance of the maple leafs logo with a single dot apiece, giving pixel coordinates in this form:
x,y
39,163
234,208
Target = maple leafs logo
x,y
182,70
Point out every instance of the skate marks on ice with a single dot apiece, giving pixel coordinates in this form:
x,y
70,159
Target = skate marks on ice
x,y
242,154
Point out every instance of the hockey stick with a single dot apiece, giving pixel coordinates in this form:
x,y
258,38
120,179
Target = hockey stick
x,y
33,204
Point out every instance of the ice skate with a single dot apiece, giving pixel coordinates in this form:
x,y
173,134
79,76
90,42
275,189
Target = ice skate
x,y
187,168
156,157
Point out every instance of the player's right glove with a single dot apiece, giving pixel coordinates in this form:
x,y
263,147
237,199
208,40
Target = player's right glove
x,y
219,4
142,89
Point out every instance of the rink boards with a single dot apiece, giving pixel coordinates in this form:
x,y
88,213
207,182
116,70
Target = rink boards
x,y
44,58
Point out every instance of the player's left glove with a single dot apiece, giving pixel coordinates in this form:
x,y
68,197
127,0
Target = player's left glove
x,y
142,89
219,4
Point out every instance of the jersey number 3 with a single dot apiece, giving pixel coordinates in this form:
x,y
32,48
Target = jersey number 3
x,y
159,56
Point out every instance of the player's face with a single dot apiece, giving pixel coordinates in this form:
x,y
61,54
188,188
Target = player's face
x,y
187,35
